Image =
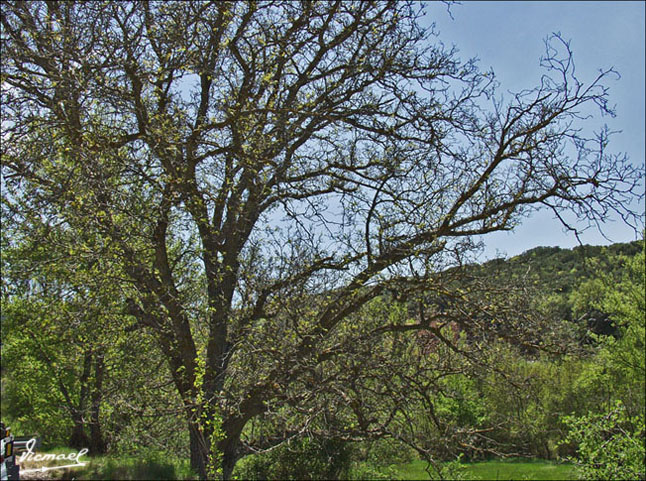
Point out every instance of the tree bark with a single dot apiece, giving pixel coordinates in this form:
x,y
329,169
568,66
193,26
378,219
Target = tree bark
x,y
78,439
199,455
226,453
97,443
229,456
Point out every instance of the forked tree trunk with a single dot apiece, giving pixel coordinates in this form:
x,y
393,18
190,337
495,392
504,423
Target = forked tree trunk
x,y
201,454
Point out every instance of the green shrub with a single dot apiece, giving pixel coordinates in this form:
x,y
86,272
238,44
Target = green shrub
x,y
610,445
306,458
376,459
369,471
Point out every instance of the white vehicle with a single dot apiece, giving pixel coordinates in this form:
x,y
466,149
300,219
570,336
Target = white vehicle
x,y
9,470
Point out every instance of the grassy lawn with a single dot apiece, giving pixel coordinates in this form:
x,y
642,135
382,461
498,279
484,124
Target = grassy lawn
x,y
135,468
497,470
149,466
156,467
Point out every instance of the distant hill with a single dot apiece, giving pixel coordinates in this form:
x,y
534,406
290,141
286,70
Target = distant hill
x,y
557,272
560,270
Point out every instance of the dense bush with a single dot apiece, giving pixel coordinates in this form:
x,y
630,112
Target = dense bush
x,y
306,458
610,445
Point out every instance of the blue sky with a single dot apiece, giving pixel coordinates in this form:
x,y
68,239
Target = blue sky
x,y
509,37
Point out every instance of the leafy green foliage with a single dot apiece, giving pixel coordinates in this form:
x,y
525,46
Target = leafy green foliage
x,y
569,279
307,458
516,400
610,444
74,370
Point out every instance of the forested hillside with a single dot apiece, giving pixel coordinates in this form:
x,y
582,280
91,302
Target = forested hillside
x,y
565,277
560,270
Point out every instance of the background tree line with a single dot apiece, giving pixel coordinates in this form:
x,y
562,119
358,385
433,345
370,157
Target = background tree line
x,y
474,396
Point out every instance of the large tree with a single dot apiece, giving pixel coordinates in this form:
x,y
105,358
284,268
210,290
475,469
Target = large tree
x,y
262,170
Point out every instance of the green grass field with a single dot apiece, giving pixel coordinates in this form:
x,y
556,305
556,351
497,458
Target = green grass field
x,y
149,466
497,470
157,468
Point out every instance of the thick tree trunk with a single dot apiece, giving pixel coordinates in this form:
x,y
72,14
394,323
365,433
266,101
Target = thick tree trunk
x,y
227,455
97,444
199,453
78,439
229,458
